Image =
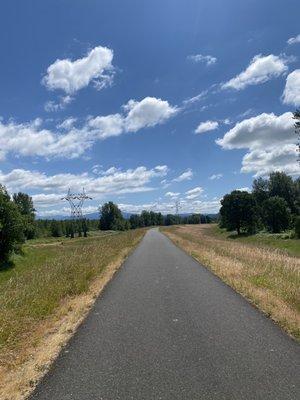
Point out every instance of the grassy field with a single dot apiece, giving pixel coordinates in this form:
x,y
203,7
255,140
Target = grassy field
x,y
269,277
278,241
46,276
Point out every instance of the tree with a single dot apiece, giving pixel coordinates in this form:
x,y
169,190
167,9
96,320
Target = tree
x,y
11,226
56,228
282,185
260,190
135,221
25,205
276,214
239,212
111,218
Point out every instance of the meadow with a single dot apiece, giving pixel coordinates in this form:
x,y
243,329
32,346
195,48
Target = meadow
x,y
47,291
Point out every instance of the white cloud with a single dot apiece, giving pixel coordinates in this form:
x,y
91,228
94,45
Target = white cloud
x,y
207,126
294,40
262,162
148,112
270,140
194,193
30,139
52,187
244,189
67,124
215,176
185,176
172,194
261,69
291,94
71,76
51,105
195,99
264,130
208,60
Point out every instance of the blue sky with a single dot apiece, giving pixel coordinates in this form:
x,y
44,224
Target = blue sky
x,y
143,102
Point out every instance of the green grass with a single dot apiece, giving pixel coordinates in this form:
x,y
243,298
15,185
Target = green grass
x,y
49,272
282,242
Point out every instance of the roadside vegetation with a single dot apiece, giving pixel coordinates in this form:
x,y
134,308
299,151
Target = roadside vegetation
x,y
286,242
268,277
44,282
273,206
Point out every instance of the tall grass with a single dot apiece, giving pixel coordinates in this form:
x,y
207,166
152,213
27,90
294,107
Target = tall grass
x,y
46,275
268,277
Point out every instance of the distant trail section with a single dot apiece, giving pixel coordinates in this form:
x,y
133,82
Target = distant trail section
x,y
167,328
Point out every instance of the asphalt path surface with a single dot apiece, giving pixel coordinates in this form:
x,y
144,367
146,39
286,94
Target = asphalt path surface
x,y
167,328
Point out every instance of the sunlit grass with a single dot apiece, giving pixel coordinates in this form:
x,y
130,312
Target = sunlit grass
x,y
269,277
48,273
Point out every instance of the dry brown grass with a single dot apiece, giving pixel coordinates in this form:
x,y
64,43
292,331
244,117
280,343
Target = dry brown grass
x,y
269,278
41,308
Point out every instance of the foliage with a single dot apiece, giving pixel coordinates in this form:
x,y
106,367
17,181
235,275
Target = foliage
x,y
239,212
276,214
25,205
11,226
297,226
111,218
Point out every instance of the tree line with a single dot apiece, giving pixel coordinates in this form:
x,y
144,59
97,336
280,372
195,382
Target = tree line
x,y
18,222
111,218
273,205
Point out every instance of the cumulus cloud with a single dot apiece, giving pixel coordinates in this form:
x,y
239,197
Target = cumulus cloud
x,y
52,187
261,69
279,158
270,141
185,176
215,176
206,126
291,94
261,131
200,58
30,139
294,40
71,76
148,112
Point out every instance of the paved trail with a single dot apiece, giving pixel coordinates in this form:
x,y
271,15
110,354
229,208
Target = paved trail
x,y
166,328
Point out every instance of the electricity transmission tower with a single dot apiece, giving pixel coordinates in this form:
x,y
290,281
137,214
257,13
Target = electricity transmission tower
x,y
76,201
177,206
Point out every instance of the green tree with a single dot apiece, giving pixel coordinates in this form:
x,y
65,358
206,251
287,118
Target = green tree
x,y
260,190
276,214
111,218
25,205
11,226
282,185
239,212
135,221
56,228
